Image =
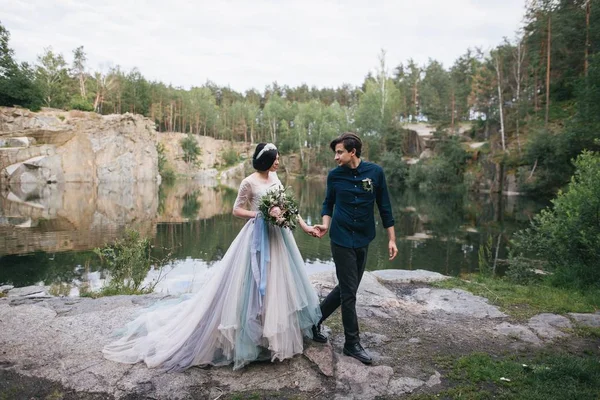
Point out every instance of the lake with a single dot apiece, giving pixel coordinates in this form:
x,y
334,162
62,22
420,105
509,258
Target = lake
x,y
47,234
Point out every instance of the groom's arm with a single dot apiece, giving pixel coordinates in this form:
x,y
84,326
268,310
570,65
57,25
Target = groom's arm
x,y
327,210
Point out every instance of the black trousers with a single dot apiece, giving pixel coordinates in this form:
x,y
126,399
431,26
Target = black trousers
x,y
349,268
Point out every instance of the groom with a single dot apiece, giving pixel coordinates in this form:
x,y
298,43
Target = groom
x,y
352,190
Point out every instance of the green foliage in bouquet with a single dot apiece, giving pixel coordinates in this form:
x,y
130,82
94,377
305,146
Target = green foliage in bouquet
x,y
279,207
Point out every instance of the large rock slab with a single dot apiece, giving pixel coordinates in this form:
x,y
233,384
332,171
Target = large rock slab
x,y
548,326
78,146
405,276
454,301
372,299
589,320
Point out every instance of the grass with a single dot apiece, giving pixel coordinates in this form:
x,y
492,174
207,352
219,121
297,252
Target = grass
x,y
543,377
522,302
114,291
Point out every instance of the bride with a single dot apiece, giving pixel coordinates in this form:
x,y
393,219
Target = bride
x,y
259,304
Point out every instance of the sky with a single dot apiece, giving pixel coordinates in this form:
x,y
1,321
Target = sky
x,y
248,44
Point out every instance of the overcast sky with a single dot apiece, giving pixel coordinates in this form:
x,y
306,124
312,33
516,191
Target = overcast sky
x,y
251,43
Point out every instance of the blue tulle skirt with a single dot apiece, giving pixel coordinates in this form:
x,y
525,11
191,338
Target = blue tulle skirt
x,y
259,304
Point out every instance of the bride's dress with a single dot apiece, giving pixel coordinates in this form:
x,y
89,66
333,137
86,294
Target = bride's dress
x,y
234,318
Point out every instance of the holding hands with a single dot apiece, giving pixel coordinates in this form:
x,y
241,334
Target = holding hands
x,y
317,231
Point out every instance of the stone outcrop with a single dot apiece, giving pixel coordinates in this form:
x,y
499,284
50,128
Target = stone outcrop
x,y
59,340
59,146
209,168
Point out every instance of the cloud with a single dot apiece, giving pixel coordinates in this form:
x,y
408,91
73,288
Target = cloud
x,y
248,44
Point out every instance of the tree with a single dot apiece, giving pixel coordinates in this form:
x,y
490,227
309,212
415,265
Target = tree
x,y
53,79
566,237
436,93
191,151
274,112
16,81
79,59
500,99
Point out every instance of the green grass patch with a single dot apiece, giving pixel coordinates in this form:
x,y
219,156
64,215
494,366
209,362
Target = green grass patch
x,y
524,301
588,331
113,291
544,377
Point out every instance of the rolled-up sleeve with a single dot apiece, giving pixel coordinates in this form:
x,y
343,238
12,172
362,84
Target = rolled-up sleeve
x,y
383,202
329,198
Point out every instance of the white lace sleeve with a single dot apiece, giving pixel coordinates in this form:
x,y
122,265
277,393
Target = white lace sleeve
x,y
244,196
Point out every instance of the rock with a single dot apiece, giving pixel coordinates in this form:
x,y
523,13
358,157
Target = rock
x,y
453,301
427,153
205,169
545,325
5,288
434,380
517,332
360,381
405,276
588,320
77,147
322,356
404,385
369,339
372,299
29,291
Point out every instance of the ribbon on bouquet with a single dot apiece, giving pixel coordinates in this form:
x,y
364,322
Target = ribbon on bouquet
x,y
260,255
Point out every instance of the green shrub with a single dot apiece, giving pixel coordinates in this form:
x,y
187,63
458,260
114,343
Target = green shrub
x,y
230,156
79,103
128,261
567,237
164,169
191,151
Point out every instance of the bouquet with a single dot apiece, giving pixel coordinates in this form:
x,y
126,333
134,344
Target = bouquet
x,y
279,208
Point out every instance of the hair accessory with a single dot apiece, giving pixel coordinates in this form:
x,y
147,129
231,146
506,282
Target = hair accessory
x,y
268,147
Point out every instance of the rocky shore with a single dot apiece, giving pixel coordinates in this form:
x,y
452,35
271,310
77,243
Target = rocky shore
x,y
51,346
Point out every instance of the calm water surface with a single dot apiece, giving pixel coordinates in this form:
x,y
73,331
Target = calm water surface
x,y
47,234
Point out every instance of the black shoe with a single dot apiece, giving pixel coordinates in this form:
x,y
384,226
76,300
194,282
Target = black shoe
x,y
317,335
356,350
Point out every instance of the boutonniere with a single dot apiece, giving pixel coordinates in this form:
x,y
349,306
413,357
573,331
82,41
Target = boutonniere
x,y
367,184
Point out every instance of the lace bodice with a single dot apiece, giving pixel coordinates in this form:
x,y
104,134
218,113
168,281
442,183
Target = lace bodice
x,y
252,189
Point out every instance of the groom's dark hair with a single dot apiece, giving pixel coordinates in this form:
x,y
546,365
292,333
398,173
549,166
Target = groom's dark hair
x,y
350,141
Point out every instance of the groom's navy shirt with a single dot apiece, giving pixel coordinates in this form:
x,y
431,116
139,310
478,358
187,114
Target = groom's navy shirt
x,y
350,204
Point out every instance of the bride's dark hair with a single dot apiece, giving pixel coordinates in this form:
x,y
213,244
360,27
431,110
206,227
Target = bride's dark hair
x,y
264,158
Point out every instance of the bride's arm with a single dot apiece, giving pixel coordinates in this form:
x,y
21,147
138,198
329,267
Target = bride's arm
x,y
243,213
305,227
243,198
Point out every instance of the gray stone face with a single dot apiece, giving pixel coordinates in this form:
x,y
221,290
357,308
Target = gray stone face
x,y
517,332
62,146
61,339
548,326
589,320
453,301
29,291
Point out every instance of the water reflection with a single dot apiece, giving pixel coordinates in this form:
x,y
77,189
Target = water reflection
x,y
47,237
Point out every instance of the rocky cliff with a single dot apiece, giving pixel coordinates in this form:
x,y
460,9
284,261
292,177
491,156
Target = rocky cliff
x,y
74,146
